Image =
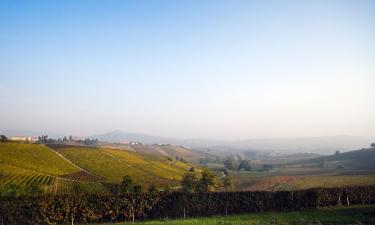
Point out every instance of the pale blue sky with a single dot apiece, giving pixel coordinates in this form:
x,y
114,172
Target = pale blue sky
x,y
223,69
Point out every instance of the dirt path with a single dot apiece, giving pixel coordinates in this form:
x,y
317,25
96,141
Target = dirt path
x,y
75,165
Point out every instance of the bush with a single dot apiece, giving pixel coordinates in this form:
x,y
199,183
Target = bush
x,y
83,208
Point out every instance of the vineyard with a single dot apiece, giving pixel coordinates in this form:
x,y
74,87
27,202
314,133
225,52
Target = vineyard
x,y
112,165
35,169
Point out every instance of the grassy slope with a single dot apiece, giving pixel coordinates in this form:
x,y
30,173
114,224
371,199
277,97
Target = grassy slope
x,y
114,164
34,157
351,215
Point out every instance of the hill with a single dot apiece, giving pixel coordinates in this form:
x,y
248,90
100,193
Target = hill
x,y
355,160
38,158
113,164
323,145
26,168
63,168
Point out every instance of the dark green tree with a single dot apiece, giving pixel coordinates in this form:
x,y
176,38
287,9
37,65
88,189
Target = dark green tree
x,y
127,184
189,182
245,164
207,182
3,138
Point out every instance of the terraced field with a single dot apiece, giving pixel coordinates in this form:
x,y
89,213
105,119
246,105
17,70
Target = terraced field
x,y
112,165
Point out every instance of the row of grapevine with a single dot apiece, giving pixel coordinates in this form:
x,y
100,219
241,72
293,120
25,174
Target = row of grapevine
x,y
83,208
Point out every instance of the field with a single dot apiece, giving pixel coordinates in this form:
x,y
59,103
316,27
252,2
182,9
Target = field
x,y
113,164
300,178
348,215
24,166
38,158
63,169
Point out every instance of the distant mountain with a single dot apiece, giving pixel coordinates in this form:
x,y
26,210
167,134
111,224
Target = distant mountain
x,y
322,145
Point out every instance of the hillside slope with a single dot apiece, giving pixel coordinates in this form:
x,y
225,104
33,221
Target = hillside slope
x,y
359,159
25,168
113,164
34,157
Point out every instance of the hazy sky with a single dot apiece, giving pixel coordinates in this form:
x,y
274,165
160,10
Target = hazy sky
x,y
223,69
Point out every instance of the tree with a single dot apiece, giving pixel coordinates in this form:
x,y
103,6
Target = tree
x,y
192,169
227,183
207,182
245,164
267,167
127,184
231,163
3,138
189,182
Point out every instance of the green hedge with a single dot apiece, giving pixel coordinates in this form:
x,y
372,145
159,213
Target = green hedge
x,y
105,208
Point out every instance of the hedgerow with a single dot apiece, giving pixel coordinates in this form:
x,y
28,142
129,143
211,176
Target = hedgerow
x,y
85,208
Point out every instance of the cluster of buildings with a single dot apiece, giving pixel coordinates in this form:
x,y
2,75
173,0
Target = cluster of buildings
x,y
24,138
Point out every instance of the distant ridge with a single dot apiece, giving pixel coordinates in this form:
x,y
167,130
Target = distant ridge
x,y
324,145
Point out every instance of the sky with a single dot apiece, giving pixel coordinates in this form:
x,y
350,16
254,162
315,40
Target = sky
x,y
194,69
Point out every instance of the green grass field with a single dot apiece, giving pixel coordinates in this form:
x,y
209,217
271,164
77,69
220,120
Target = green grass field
x,y
112,164
346,215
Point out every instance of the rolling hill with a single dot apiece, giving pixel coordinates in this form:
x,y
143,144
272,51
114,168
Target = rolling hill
x,y
355,160
113,164
61,168
321,145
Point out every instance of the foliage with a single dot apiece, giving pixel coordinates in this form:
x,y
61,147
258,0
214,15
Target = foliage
x,y
245,164
189,182
207,182
231,163
84,208
227,183
3,138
